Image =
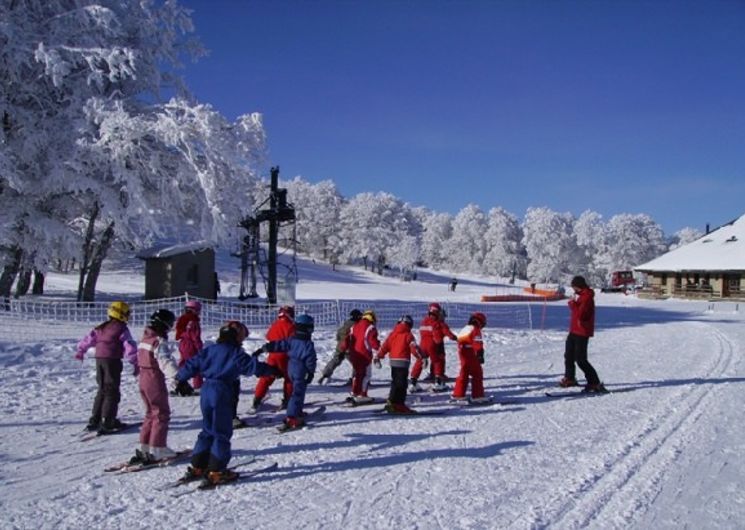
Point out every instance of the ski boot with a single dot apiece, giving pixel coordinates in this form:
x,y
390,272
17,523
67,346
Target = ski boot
x,y
414,386
215,478
598,388
566,382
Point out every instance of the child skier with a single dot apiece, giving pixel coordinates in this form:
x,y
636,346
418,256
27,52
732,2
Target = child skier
x,y
471,354
189,336
339,353
432,333
157,370
401,344
220,364
282,328
112,342
362,344
301,354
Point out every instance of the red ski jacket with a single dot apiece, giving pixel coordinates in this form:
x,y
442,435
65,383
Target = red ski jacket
x,y
582,307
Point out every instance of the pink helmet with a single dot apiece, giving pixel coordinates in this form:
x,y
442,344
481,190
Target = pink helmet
x,y
194,305
434,308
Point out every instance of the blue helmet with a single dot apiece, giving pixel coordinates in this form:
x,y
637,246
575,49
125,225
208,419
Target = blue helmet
x,y
304,323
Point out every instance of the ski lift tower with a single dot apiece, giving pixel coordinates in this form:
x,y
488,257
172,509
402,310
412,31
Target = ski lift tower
x,y
279,212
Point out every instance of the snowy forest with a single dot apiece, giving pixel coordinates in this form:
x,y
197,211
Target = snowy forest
x,y
103,149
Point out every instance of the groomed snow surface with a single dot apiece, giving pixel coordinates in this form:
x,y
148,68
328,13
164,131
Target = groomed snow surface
x,y
664,450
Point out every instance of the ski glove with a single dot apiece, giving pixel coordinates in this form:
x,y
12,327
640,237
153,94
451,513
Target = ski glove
x,y
309,378
136,370
79,356
480,357
183,388
258,352
377,363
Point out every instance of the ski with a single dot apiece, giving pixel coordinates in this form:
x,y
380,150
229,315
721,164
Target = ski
x,y
414,413
579,394
88,436
182,481
351,404
242,477
126,467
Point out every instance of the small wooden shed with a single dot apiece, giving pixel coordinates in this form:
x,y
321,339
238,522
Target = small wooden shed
x,y
174,270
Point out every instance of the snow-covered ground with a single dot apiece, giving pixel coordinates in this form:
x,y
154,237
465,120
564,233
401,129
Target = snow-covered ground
x,y
664,450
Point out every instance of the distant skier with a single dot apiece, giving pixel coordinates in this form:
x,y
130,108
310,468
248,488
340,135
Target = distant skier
x,y
157,371
339,353
401,344
301,354
282,328
189,336
112,342
581,328
220,364
471,354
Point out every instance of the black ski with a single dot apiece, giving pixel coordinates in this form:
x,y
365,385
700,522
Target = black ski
x,y
242,477
126,467
414,413
579,394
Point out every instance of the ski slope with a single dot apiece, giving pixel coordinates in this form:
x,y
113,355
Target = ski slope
x,y
663,450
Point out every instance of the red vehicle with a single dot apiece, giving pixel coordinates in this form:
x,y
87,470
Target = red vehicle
x,y
620,281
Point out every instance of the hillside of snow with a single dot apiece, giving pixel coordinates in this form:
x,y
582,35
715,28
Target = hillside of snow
x,y
663,450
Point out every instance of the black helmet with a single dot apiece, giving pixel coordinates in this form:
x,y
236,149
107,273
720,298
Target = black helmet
x,y
162,319
406,319
355,315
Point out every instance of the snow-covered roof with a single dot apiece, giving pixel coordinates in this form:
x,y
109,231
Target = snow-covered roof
x,y
167,250
722,249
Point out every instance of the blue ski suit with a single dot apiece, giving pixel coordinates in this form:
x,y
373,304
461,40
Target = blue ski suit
x,y
301,354
220,365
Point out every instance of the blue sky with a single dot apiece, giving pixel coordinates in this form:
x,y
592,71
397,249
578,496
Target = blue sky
x,y
614,106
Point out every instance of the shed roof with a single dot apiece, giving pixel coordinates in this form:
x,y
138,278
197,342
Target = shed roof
x,y
168,250
722,249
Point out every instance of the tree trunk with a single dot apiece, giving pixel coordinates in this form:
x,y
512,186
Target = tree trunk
x,y
24,282
38,285
99,254
87,250
10,271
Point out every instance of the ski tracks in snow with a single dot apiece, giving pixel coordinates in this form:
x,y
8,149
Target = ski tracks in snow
x,y
632,475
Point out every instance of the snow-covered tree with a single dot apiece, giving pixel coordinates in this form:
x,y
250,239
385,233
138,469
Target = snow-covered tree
x,y
466,249
371,224
317,210
549,243
437,228
55,58
633,239
684,236
592,258
505,255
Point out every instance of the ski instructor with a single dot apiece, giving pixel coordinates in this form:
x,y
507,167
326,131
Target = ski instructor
x,y
581,328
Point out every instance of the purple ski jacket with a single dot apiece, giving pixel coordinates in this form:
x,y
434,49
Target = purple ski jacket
x,y
112,340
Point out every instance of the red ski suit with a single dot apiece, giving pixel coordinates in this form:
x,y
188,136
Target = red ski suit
x,y
470,345
189,338
281,329
362,344
432,333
